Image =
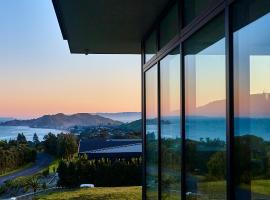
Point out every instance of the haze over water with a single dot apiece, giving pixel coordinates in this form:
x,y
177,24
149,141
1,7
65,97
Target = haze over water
x,y
11,132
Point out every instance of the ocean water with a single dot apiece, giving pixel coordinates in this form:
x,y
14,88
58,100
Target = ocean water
x,y
214,128
11,132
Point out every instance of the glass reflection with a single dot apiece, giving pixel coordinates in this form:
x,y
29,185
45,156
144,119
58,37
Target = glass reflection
x,y
252,99
151,134
205,113
170,127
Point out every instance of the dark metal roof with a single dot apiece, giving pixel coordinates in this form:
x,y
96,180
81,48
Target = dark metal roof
x,y
98,144
114,155
106,26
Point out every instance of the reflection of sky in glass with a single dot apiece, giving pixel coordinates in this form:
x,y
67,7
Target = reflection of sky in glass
x,y
151,93
205,74
259,74
170,85
151,102
252,79
210,68
170,96
151,130
252,59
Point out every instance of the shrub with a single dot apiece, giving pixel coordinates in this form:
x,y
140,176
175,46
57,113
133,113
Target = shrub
x,y
101,173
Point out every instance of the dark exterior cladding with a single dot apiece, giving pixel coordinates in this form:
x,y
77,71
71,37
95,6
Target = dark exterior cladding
x,y
106,27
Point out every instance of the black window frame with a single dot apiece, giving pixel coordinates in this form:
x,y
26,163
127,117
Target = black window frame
x,y
184,33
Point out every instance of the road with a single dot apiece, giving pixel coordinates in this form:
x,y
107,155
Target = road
x,y
43,160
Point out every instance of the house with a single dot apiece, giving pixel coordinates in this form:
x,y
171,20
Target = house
x,y
201,63
111,148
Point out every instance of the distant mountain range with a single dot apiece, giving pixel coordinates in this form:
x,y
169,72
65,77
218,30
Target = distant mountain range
x,y
62,121
4,119
122,116
256,105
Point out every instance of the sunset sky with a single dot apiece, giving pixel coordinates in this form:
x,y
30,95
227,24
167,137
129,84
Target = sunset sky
x,y
39,76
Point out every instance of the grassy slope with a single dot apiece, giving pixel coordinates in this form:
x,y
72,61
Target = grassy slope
x,y
261,187
54,164
113,193
213,189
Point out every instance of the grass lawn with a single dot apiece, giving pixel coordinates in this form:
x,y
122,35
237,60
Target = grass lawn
x,y
261,187
18,169
105,193
54,165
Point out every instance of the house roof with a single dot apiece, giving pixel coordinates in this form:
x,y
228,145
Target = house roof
x,y
131,148
106,26
110,146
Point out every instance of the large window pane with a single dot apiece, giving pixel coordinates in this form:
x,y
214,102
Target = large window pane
x,y
169,26
151,46
170,127
206,113
193,8
151,134
252,98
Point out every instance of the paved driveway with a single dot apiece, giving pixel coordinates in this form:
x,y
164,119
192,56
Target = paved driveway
x,y
43,160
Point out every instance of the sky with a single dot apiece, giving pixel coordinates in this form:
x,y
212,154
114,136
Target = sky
x,y
38,75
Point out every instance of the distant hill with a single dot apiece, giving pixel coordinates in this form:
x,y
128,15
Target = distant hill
x,y
134,126
62,121
4,119
257,105
122,116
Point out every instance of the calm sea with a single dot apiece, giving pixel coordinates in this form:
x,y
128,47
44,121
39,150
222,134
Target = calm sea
x,y
213,128
11,132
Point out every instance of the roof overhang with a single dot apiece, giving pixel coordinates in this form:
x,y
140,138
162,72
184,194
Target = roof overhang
x,y
106,26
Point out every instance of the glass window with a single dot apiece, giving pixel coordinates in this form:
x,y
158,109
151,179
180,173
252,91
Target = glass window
x,y
170,126
251,39
151,134
169,26
193,8
150,46
205,123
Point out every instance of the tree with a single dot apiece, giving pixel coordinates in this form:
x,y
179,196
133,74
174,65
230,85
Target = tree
x,y
21,138
14,154
62,173
36,139
217,165
33,183
100,172
50,144
67,145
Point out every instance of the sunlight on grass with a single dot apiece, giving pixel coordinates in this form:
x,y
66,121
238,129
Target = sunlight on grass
x,y
261,187
53,166
110,193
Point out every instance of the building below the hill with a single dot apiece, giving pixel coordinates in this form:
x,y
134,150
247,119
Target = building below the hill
x,y
112,148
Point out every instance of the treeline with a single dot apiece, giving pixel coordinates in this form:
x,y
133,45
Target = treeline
x,y
15,154
61,145
210,161
101,173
